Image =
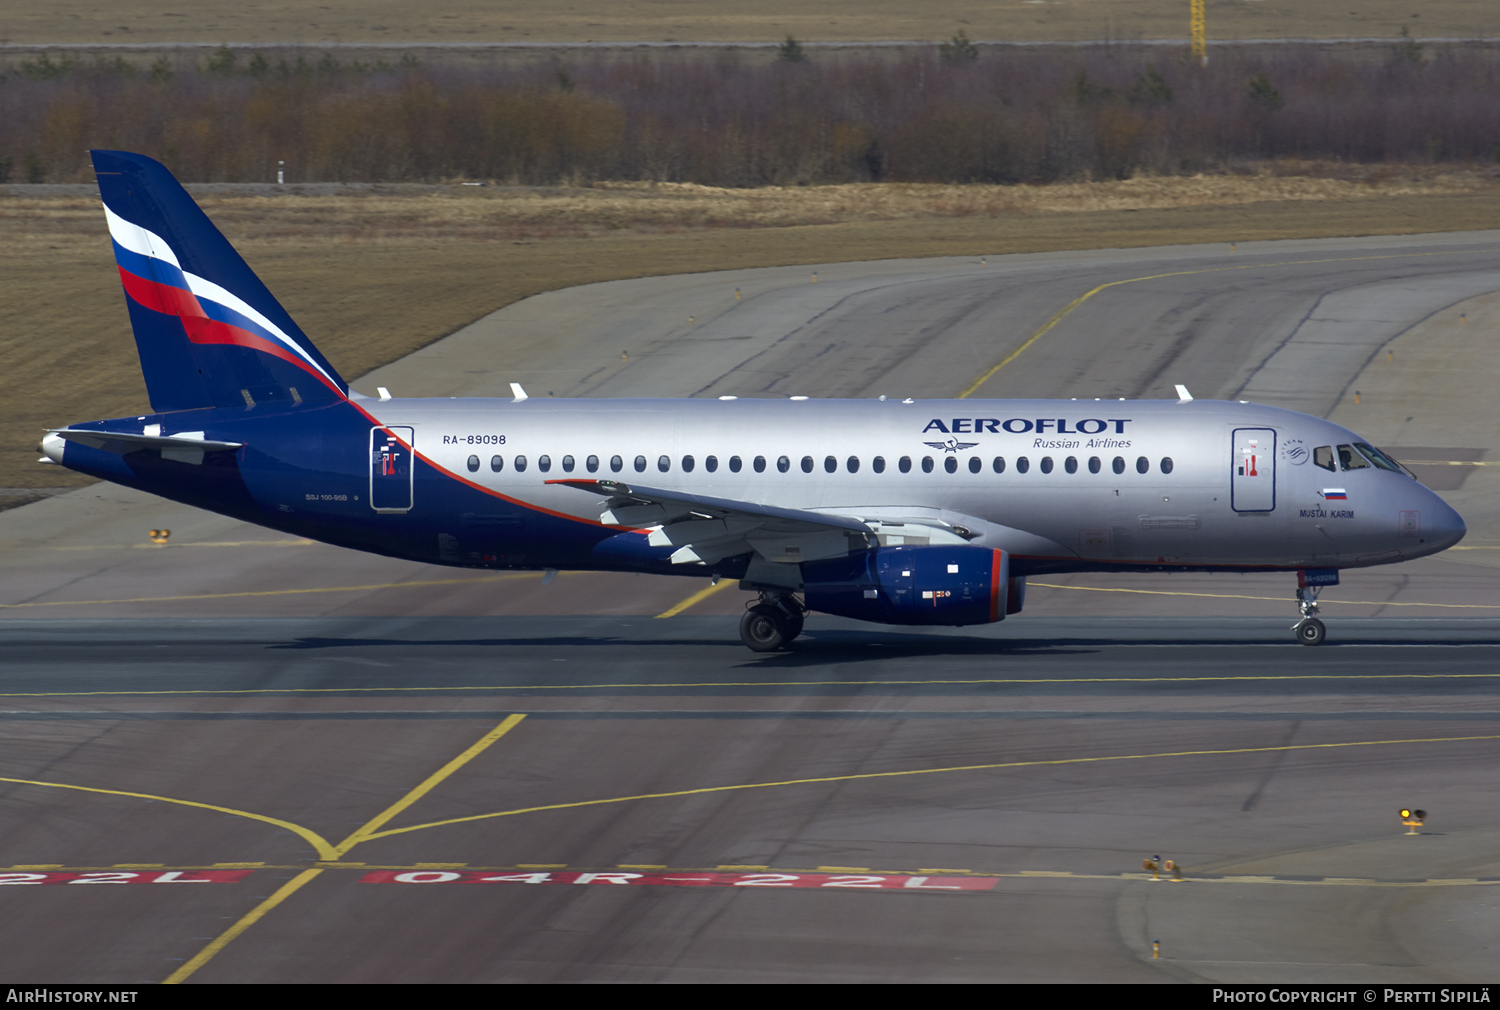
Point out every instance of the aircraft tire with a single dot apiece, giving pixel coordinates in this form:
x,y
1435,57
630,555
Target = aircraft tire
x,y
765,628
1311,632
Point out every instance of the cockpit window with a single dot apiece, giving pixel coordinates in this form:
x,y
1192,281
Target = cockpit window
x,y
1323,456
1377,457
1350,459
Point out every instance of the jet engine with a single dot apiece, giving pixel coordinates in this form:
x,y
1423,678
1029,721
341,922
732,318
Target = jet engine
x,y
939,584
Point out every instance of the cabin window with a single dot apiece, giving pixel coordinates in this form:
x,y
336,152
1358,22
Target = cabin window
x,y
1350,459
1118,465
616,464
1323,456
783,464
1094,464
878,464
760,464
951,464
1046,464
520,464
1142,464
998,464
664,463
830,465
497,463
1022,464
1166,464
852,464
927,464
807,464
905,464
688,464
711,463
975,464
592,464
544,463
735,463
567,464
473,464
640,464
1071,464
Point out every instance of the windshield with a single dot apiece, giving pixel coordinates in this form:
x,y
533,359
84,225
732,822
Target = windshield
x,y
1379,458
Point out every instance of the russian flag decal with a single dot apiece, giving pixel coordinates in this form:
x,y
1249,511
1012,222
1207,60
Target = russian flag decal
x,y
1333,494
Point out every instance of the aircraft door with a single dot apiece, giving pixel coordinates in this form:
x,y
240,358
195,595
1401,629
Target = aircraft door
x,y
391,456
1252,474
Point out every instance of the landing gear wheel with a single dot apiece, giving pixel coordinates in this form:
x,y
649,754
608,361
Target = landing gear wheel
x,y
1311,632
765,628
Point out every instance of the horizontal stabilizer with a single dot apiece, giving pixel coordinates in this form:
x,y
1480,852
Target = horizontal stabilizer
x,y
121,443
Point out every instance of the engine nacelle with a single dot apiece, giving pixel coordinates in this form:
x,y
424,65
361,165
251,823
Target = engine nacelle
x,y
940,584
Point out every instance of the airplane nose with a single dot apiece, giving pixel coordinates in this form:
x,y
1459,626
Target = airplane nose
x,y
1443,526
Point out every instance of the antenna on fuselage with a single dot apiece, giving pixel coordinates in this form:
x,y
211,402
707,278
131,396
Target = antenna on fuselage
x,y
518,394
1183,396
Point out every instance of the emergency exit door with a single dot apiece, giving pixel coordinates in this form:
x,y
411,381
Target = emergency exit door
x,y
391,457
1252,474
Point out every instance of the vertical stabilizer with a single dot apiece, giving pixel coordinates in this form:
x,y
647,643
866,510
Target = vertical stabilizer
x,y
210,334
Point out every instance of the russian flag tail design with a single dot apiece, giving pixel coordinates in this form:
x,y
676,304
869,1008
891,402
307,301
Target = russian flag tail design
x,y
209,332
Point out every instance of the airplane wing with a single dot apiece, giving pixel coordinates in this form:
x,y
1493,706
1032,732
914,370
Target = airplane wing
x,y
705,530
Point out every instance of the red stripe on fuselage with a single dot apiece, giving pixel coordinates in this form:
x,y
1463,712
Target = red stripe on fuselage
x,y
995,583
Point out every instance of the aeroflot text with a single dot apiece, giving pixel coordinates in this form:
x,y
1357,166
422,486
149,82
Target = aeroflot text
x,y
1479,994
1021,425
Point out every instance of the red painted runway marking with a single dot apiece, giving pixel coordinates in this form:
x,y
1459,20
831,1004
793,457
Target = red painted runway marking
x,y
128,877
851,881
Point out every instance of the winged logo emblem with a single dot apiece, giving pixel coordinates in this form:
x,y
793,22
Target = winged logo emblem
x,y
951,445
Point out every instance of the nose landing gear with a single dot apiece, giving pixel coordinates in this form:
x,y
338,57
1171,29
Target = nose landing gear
x,y
1309,630
772,623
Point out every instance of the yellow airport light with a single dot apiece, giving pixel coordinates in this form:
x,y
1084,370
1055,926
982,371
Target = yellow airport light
x,y
160,536
1413,820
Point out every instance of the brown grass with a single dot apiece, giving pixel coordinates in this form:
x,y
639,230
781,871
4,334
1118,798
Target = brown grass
x,y
763,21
372,278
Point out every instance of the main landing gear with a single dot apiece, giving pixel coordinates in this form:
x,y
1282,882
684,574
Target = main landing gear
x,y
1309,630
772,623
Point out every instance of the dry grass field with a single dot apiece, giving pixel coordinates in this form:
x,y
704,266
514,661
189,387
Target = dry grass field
x,y
533,21
373,273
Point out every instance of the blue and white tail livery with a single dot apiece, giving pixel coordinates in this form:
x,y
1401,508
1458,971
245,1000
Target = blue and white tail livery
x,y
918,513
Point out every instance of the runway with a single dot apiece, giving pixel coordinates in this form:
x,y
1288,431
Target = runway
x,y
344,744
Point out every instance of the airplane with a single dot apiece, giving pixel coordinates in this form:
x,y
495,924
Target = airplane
x,y
899,512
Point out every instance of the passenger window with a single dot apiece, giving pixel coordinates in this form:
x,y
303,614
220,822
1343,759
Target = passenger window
x,y
710,463
1119,464
951,464
760,464
830,464
1166,464
544,463
473,464
1142,464
592,463
688,464
1022,464
878,464
807,464
664,463
1071,464
1046,464
520,464
998,465
567,464
497,463
975,464
783,464
616,464
927,464
1323,456
905,464
1094,464
1350,459
851,464
640,464
735,463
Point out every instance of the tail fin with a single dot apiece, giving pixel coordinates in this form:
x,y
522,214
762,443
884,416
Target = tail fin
x,y
209,332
